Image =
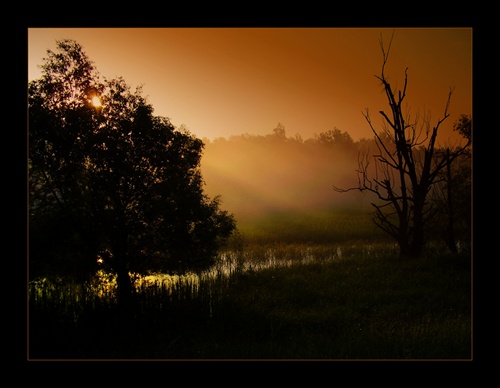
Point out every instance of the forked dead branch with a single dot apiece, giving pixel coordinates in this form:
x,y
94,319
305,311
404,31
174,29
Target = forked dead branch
x,y
404,168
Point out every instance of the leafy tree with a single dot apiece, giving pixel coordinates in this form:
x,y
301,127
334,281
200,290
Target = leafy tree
x,y
335,136
280,131
405,169
464,127
452,193
109,179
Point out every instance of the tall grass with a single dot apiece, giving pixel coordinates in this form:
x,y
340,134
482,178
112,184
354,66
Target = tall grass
x,y
271,297
319,227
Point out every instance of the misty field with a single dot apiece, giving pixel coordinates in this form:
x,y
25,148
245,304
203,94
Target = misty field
x,y
319,286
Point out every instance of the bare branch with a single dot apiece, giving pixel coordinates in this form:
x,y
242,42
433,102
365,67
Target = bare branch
x,y
405,167
385,53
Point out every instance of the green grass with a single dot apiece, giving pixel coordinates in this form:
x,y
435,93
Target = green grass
x,y
320,227
364,306
314,285
356,308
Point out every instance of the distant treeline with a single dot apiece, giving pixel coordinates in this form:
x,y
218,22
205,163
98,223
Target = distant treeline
x,y
261,173
258,175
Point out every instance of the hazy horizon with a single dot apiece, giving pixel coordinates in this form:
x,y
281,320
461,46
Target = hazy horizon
x,y
258,175
219,82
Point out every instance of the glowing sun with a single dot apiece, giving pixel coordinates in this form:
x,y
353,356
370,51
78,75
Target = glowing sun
x,y
96,102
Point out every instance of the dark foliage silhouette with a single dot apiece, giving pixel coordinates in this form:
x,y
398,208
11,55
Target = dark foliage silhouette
x,y
109,179
452,194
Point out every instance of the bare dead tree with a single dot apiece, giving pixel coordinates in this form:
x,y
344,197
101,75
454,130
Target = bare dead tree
x,y
404,169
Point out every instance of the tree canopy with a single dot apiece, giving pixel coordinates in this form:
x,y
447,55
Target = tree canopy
x,y
109,179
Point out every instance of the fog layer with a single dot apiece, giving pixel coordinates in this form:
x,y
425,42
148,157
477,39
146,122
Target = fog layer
x,y
256,175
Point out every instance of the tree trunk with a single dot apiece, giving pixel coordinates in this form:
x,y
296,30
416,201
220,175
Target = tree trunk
x,y
410,251
124,285
404,249
450,231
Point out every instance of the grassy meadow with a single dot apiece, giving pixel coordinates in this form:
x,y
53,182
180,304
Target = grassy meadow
x,y
315,286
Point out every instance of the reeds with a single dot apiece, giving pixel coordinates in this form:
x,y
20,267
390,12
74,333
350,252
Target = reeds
x,y
273,299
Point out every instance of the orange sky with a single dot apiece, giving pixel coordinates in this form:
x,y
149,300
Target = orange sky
x,y
230,81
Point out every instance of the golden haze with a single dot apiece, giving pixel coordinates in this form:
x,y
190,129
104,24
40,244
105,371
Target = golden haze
x,y
220,82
